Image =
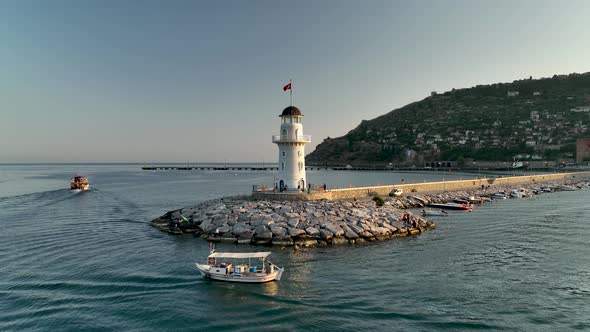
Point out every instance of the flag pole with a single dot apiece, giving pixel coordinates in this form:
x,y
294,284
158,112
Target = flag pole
x,y
291,91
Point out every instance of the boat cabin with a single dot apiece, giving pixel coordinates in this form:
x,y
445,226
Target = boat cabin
x,y
239,263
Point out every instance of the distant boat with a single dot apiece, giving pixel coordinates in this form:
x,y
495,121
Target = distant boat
x,y
451,206
238,267
79,183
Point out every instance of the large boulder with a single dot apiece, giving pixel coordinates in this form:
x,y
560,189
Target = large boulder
x,y
335,229
208,226
349,233
306,242
260,229
223,229
381,231
293,222
278,231
312,231
296,231
240,229
326,234
338,240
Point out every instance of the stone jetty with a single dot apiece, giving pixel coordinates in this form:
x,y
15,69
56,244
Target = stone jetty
x,y
289,223
247,220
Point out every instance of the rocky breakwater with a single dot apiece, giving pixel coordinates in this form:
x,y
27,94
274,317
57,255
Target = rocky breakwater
x,y
292,223
421,200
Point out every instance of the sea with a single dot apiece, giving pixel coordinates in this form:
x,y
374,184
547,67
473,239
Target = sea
x,y
90,261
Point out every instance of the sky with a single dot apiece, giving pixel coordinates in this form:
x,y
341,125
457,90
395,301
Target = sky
x,y
201,81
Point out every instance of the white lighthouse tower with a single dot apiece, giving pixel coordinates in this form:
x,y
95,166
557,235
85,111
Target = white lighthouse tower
x,y
291,142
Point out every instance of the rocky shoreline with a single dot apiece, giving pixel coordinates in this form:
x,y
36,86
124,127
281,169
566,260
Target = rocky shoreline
x,y
315,223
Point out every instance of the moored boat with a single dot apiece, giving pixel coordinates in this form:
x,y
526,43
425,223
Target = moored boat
x,y
565,187
248,267
79,182
451,206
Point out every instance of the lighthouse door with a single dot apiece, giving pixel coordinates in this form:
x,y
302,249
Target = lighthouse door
x,y
302,184
281,185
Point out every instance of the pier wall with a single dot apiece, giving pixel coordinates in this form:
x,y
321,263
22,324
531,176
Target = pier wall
x,y
430,187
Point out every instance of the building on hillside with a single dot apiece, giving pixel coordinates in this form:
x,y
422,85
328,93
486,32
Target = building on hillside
x,y
581,109
582,149
512,93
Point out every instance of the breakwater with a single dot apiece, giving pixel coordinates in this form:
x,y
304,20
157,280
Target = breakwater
x,y
250,220
495,183
291,223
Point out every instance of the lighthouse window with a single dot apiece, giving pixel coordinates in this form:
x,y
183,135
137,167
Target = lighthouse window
x,y
282,166
299,153
284,153
300,166
284,133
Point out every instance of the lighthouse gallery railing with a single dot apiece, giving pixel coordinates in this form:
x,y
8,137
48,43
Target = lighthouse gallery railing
x,y
287,139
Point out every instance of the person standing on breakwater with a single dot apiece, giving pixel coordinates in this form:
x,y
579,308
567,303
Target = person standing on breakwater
x,y
325,187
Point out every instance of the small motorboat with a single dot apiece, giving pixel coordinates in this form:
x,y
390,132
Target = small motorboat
x,y
565,187
247,267
475,200
451,206
79,183
438,213
500,195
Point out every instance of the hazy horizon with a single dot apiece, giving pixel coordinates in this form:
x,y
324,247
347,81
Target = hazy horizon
x,y
147,81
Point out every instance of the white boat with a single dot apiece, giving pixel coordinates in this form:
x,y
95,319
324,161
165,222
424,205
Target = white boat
x,y
565,187
434,213
500,195
248,267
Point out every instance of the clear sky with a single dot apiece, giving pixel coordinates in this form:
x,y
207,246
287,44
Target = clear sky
x,y
135,81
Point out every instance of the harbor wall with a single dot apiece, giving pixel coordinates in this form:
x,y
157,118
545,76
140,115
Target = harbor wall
x,y
430,187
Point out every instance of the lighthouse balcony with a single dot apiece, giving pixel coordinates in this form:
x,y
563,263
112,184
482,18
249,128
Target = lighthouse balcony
x,y
285,139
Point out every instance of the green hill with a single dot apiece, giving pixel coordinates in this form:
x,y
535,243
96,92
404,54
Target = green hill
x,y
536,119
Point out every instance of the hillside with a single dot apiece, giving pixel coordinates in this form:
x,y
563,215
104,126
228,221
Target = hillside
x,y
528,119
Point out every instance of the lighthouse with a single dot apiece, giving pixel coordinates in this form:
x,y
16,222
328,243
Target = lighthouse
x,y
291,142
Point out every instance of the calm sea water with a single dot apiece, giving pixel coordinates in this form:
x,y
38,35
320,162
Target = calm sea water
x,y
90,261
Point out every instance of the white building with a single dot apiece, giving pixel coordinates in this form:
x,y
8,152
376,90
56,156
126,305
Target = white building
x,y
512,93
291,142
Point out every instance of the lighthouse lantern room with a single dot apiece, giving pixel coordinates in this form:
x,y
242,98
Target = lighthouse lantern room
x,y
291,142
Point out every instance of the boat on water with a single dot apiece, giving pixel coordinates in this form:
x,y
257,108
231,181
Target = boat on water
x,y
79,183
439,213
500,195
461,201
451,206
565,187
246,267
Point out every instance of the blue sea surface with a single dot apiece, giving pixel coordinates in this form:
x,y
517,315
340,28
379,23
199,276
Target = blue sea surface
x,y
91,261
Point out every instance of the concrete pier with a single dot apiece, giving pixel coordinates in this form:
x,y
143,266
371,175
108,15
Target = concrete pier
x,y
426,187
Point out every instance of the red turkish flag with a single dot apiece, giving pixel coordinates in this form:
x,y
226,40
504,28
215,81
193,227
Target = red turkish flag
x,y
287,87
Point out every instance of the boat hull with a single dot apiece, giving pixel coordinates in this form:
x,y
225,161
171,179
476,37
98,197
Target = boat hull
x,y
451,206
250,278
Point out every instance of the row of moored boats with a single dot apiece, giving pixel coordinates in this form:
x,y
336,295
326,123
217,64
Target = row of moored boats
x,y
467,204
